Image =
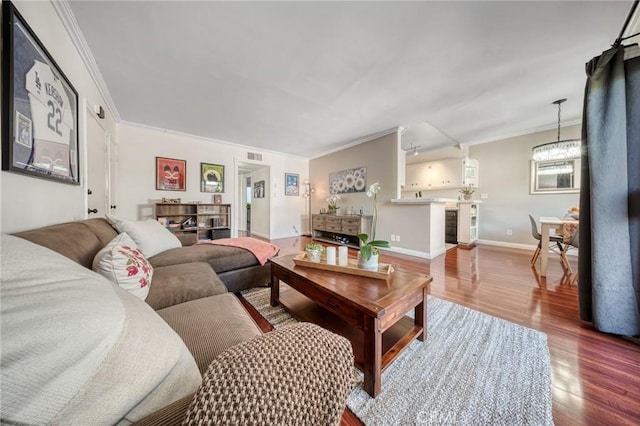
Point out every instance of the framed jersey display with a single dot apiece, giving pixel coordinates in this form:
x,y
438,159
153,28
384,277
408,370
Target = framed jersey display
x,y
39,104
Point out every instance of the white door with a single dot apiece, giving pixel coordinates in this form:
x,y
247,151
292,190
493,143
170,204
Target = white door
x,y
97,172
112,173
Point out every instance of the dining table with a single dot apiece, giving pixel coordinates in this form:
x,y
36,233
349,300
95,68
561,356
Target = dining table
x,y
546,224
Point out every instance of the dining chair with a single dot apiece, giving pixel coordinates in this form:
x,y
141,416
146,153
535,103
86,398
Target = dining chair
x,y
573,242
554,239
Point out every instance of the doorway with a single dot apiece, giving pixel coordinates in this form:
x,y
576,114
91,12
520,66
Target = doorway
x,y
245,208
253,199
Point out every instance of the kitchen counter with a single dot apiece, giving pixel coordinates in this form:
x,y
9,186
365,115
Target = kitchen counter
x,y
423,200
427,219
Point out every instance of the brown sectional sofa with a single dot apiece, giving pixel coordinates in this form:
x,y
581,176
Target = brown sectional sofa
x,y
191,291
80,241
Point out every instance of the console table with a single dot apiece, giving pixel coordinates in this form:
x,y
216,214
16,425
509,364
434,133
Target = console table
x,y
340,229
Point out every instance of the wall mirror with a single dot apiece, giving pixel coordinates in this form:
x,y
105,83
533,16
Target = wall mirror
x,y
555,168
555,176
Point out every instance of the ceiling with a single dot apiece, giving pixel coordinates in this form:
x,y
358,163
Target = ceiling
x,y
306,78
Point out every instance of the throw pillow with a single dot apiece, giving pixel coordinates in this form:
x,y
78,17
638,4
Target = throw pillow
x,y
151,237
122,263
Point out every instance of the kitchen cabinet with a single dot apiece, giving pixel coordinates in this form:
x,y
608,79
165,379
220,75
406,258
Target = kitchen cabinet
x,y
435,175
470,175
412,177
442,174
447,173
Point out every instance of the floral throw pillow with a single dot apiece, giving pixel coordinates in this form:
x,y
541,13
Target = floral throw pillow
x,y
123,263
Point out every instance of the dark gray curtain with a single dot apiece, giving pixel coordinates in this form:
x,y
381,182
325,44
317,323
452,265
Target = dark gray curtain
x,y
609,259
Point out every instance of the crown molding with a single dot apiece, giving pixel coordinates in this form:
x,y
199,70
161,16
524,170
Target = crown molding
x,y
359,141
70,23
207,139
530,131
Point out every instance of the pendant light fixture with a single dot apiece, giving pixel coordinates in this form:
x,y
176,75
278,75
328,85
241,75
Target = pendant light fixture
x,y
561,149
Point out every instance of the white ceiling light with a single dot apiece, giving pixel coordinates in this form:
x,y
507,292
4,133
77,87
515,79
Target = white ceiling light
x,y
559,150
412,149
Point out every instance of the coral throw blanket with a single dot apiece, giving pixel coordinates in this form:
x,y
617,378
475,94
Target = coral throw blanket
x,y
260,249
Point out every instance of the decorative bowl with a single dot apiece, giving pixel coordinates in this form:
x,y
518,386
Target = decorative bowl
x,y
574,214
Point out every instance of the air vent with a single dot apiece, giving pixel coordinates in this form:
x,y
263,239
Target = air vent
x,y
254,156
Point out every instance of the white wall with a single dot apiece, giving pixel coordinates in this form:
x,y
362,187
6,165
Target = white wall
x,y
260,207
504,177
28,202
379,156
138,147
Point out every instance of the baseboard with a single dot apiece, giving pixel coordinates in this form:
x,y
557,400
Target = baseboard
x,y
415,253
258,234
529,247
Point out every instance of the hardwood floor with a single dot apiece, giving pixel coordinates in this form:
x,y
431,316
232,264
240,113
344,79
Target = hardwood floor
x,y
595,376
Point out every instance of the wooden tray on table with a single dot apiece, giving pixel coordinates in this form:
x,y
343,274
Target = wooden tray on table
x,y
383,272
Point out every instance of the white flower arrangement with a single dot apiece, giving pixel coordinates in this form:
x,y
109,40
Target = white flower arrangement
x,y
373,190
332,200
370,247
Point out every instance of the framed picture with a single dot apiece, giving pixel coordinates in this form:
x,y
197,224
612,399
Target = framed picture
x,y
217,198
211,177
170,174
39,107
291,184
171,200
347,181
258,189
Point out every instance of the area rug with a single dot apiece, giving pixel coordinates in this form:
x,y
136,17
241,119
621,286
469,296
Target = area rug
x,y
473,369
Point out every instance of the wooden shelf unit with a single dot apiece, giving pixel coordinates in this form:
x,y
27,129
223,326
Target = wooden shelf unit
x,y
191,222
467,223
341,230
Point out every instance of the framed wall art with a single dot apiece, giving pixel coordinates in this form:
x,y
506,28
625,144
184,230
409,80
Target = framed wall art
x,y
170,174
258,189
291,184
39,104
211,177
171,200
350,180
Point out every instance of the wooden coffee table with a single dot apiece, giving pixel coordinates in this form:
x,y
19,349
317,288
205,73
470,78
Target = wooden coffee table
x,y
369,312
